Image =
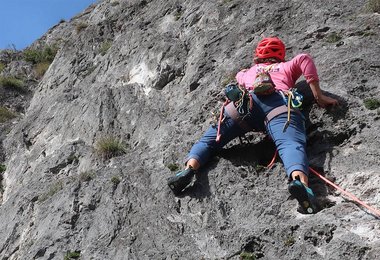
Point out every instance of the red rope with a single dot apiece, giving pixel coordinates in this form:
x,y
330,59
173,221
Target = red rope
x,y
270,165
373,210
353,197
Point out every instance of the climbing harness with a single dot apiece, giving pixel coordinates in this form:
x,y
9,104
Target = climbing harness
x,y
243,103
238,105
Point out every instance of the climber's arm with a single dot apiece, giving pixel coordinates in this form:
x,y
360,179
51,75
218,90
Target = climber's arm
x,y
320,98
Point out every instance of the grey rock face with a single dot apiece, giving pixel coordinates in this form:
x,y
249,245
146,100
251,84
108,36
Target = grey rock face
x,y
148,73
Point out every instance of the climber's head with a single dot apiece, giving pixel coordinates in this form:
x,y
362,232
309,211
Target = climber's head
x,y
270,48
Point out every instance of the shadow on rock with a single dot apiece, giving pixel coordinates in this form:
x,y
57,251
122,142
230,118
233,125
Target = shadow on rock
x,y
258,154
320,189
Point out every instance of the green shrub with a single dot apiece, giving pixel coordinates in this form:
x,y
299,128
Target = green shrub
x,y
289,241
173,167
104,47
80,27
333,37
12,83
45,55
374,6
260,167
108,147
2,66
6,115
72,255
57,186
2,168
41,58
115,180
178,14
247,256
368,33
86,176
372,103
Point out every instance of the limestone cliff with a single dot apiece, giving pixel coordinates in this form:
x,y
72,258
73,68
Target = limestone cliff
x,y
147,74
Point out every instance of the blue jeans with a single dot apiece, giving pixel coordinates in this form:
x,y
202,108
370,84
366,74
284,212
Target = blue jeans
x,y
291,144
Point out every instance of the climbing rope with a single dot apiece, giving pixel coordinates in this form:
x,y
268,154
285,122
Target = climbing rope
x,y
270,165
353,197
376,212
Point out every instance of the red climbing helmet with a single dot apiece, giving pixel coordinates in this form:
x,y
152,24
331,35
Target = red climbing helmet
x,y
271,47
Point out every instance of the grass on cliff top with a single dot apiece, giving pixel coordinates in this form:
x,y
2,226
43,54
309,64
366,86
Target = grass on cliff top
x,y
41,68
108,147
13,84
2,66
80,27
35,56
6,115
41,58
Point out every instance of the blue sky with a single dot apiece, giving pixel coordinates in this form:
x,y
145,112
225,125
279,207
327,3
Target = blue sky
x,y
24,21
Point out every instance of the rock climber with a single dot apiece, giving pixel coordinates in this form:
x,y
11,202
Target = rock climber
x,y
272,110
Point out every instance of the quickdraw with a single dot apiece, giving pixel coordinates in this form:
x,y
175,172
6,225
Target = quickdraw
x,y
293,100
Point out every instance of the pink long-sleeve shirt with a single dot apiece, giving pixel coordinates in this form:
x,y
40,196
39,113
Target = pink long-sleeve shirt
x,y
283,74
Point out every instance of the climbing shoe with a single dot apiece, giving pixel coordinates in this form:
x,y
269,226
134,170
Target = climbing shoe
x,y
304,196
180,181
